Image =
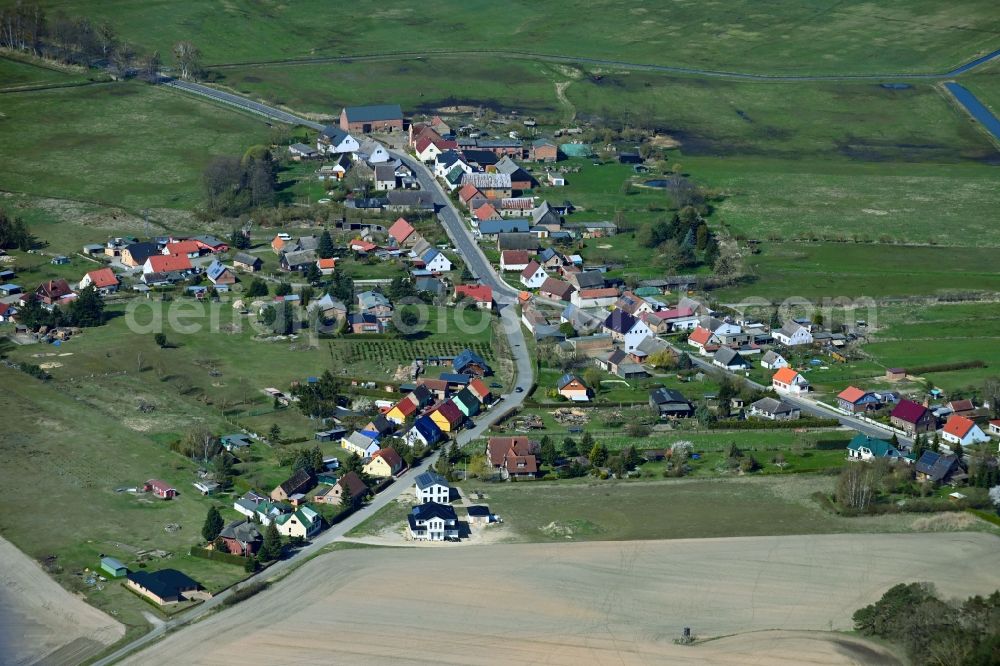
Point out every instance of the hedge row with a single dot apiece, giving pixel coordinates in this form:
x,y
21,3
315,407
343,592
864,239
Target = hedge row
x,y
217,555
763,424
946,367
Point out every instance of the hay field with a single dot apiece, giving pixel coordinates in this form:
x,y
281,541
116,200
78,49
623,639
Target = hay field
x,y
621,602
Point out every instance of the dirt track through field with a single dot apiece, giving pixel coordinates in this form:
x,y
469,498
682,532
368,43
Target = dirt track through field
x,y
771,600
40,622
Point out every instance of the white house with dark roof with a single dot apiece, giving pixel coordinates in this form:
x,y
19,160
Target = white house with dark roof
x,y
792,334
335,141
432,487
626,329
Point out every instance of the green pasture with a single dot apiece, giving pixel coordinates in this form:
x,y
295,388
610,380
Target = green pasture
x,y
789,37
128,145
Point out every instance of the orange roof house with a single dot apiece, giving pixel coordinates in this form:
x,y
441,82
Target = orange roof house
x,y
187,248
163,263
480,293
401,230
102,278
789,380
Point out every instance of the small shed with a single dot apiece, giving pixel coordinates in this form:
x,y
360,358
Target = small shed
x,y
895,374
113,567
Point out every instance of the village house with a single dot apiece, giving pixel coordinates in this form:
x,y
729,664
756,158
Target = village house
x,y
498,227
480,294
402,410
730,359
512,457
349,483
103,280
855,401
301,482
938,468
336,141
467,402
448,417
300,151
383,464
219,275
435,261
432,487
161,263
402,232
772,360
544,150
866,449
248,503
632,304
298,260
533,275
493,185
470,363
670,404
792,334
773,410
432,522
626,329
962,430
166,586
376,304
424,432
912,418
211,244
374,118
54,292
572,388
136,254
360,444
183,248
703,340
304,522
786,380
247,262
555,289
241,537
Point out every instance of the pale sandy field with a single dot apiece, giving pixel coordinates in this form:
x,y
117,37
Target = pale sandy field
x,y
41,622
766,600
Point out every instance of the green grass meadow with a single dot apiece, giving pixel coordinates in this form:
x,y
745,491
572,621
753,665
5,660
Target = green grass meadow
x,y
128,145
785,37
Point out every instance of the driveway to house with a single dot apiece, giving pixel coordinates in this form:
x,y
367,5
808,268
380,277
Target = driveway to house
x,y
807,406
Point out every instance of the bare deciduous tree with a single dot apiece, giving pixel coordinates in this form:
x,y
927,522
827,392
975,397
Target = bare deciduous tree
x,y
187,56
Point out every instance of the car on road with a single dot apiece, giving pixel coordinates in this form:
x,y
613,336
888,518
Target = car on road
x,y
518,390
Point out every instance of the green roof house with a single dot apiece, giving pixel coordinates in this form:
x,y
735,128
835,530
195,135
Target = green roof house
x,y
467,402
866,448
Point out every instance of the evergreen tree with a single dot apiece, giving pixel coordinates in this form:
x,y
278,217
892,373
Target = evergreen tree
x,y
547,451
14,233
598,455
346,501
957,449
586,442
325,249
569,448
283,289
630,458
213,525
238,239
935,444
271,549
316,459
684,362
274,433
87,309
312,274
257,288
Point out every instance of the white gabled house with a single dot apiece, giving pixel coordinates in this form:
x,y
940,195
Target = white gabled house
x,y
534,275
433,522
786,380
432,487
772,360
334,141
435,261
792,334
626,329
962,430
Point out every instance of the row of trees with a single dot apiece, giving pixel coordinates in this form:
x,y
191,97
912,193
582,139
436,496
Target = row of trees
x,y
80,41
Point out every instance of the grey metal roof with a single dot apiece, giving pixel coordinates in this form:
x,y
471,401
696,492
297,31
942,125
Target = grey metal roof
x,y
374,112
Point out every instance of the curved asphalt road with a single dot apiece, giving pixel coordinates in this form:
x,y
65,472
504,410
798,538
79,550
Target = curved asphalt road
x,y
671,69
